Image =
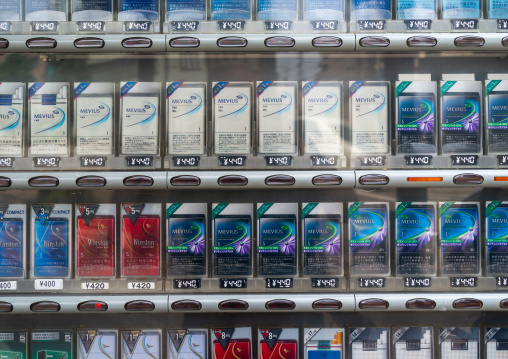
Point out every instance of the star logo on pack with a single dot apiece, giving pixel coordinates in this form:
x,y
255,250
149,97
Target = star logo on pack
x,y
88,211
133,211
223,336
270,336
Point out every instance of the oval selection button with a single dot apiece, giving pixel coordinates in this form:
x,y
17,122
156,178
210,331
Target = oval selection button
x,y
185,181
374,41
374,303
41,43
326,304
469,41
43,181
503,304
140,181
233,304
232,180
504,41
137,43
374,180
280,304
420,303
327,41
5,182
467,303
45,306
280,180
91,181
468,178
421,41
89,43
232,41
4,43
6,307
184,42
327,180
92,306
139,306
186,304
280,41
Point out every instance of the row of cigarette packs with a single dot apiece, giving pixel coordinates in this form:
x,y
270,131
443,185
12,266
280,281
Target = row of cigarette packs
x,y
415,129
288,234
236,343
197,10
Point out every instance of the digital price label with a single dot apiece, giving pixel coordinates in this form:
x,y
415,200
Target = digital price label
x,y
138,26
279,283
93,161
233,283
231,25
279,160
371,282
92,26
278,25
44,26
139,161
46,161
184,25
186,161
325,282
186,283
232,161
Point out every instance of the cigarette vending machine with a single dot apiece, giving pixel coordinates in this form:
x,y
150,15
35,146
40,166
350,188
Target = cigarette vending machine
x,y
269,179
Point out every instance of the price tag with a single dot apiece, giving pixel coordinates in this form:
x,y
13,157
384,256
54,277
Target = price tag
x,y
321,161
324,24
95,286
464,24
232,161
417,282
138,26
371,282
44,25
186,161
501,281
279,283
48,284
184,25
6,161
418,24
464,160
46,161
502,160
98,26
231,25
141,285
418,160
93,161
463,282
372,160
234,283
502,24
186,283
371,24
278,25
5,25
9,285
279,160
325,282
139,161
